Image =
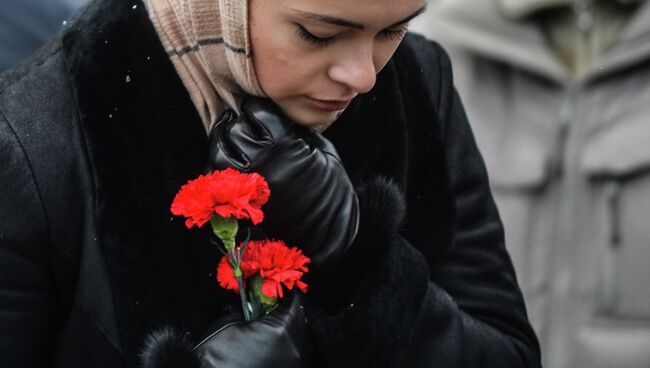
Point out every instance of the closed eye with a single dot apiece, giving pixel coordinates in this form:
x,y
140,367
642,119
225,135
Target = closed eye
x,y
313,39
325,41
394,34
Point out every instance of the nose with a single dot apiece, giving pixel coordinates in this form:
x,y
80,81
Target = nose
x,y
356,70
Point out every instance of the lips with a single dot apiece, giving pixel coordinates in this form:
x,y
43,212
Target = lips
x,y
329,105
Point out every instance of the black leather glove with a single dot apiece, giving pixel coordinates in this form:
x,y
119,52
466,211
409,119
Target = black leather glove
x,y
313,204
279,339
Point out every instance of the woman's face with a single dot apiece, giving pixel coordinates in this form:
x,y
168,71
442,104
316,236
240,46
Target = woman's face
x,y
312,57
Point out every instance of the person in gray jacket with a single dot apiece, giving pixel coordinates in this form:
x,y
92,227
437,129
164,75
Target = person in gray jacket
x,y
558,92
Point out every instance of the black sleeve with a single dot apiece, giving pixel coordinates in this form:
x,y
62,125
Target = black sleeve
x,y
473,303
26,303
465,308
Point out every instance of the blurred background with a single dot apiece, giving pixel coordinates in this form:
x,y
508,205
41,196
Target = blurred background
x,y
25,25
558,95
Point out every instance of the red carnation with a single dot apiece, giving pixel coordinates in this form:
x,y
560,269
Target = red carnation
x,y
227,193
225,276
276,263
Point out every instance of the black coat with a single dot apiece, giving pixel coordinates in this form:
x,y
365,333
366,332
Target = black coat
x,y
97,133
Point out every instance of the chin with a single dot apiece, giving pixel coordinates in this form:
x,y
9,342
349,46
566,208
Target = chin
x,y
310,117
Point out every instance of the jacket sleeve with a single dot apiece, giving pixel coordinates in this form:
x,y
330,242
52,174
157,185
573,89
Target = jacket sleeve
x,y
26,305
465,308
473,287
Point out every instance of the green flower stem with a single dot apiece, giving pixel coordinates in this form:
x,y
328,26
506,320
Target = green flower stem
x,y
239,275
226,230
255,304
242,292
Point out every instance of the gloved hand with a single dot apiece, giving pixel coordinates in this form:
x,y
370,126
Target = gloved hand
x,y
279,339
313,204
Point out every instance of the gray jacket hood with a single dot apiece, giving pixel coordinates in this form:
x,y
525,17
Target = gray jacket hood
x,y
482,27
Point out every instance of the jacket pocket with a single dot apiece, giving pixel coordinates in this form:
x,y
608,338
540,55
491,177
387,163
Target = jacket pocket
x,y
524,164
617,162
606,345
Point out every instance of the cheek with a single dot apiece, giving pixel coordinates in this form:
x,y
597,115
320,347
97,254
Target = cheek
x,y
281,68
382,54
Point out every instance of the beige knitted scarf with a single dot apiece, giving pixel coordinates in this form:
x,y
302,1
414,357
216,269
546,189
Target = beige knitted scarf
x,y
209,44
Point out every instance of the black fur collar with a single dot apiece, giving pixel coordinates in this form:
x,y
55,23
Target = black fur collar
x,y
145,140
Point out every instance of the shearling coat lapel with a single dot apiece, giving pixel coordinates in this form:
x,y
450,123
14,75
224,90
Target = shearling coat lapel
x,y
371,129
145,140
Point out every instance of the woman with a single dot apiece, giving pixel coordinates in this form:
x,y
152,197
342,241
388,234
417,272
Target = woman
x,y
101,128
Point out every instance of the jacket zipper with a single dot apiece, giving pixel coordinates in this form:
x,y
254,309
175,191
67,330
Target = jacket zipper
x,y
608,295
564,305
563,308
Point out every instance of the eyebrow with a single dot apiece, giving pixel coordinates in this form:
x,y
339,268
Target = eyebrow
x,y
348,23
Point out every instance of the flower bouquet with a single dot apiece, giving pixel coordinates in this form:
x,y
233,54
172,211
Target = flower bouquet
x,y
256,269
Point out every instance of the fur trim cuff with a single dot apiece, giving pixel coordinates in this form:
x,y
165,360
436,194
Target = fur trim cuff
x,y
391,279
166,348
382,208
